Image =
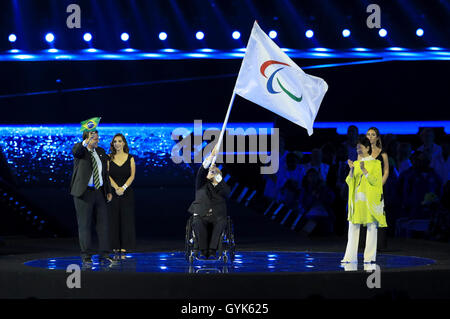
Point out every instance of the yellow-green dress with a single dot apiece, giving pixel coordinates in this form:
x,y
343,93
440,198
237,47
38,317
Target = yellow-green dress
x,y
365,204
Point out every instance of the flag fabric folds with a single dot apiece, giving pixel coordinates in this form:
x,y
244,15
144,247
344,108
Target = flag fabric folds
x,y
269,78
90,124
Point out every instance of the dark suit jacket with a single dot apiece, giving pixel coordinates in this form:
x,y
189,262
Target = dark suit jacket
x,y
82,170
208,196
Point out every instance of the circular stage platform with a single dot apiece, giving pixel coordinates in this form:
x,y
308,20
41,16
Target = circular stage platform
x,y
245,262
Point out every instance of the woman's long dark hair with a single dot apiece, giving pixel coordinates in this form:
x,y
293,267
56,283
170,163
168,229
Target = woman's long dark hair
x,y
377,131
112,149
363,140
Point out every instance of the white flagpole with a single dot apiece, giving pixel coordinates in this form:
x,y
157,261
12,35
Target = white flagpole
x,y
219,142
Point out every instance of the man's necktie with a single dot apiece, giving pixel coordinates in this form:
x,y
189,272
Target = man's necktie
x,y
95,171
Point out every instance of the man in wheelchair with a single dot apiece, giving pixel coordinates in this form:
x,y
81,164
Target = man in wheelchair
x,y
209,207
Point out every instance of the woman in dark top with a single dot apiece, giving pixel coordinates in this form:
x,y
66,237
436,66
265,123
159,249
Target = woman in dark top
x,y
122,169
373,134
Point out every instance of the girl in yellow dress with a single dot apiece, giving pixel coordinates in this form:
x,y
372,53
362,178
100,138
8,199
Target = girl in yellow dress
x,y
365,205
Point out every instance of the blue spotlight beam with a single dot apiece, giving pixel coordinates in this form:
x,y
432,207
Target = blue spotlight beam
x,y
383,55
400,128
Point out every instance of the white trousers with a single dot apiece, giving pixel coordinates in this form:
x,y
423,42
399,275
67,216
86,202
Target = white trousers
x,y
370,251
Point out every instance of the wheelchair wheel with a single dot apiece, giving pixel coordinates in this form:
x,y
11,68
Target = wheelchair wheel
x,y
188,246
191,258
231,241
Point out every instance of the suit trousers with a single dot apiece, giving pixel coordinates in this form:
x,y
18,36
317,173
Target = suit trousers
x,y
208,240
370,251
90,205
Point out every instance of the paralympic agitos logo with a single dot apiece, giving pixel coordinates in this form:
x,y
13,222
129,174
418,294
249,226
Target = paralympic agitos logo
x,y
272,77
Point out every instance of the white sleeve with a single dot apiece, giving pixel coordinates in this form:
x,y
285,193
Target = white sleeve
x,y
206,163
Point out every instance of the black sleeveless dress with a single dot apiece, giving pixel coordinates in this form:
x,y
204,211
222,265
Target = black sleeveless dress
x,y
122,227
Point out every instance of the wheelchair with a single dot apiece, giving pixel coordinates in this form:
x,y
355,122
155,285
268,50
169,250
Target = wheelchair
x,y
225,250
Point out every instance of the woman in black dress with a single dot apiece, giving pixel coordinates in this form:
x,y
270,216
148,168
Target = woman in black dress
x,y
122,169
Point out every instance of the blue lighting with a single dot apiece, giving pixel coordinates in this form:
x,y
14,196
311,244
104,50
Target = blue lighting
x,y
12,38
52,50
309,34
382,33
396,49
124,36
435,48
273,34
254,262
87,37
49,37
198,55
207,50
346,33
151,55
236,35
361,49
199,35
162,36
169,50
403,128
150,143
368,55
322,49
419,32
23,56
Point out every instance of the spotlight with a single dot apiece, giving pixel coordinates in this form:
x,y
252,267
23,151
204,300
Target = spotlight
x,y
199,35
382,33
419,32
87,37
12,38
346,33
49,37
273,34
309,34
162,36
236,35
124,36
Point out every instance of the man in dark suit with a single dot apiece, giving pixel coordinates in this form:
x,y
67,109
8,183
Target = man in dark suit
x,y
209,207
91,190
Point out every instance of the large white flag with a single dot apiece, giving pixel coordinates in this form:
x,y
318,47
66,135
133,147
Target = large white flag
x,y
268,77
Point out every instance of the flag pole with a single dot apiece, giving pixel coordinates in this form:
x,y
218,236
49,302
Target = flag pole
x,y
219,142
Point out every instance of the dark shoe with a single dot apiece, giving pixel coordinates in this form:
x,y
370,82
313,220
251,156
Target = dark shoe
x,y
203,255
105,259
212,254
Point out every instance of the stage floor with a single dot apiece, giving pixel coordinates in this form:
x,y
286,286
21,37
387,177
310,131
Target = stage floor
x,y
283,267
244,262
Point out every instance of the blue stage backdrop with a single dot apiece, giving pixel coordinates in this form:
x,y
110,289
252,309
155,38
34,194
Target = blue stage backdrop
x,y
42,155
